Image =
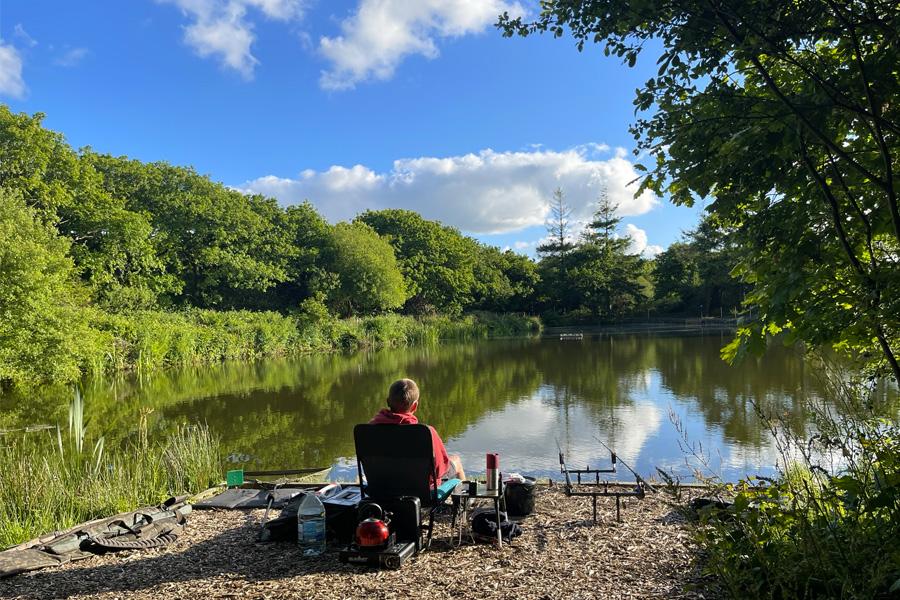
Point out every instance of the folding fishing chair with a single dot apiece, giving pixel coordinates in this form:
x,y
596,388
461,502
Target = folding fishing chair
x,y
398,460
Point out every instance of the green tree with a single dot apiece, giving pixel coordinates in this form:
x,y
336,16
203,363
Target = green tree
x,y
36,162
112,245
677,276
785,114
437,261
602,227
606,276
698,271
226,247
559,227
44,336
504,280
717,253
307,236
368,276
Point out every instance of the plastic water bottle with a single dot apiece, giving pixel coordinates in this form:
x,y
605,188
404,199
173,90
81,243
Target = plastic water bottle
x,y
311,526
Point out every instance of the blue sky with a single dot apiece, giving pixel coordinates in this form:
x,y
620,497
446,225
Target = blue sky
x,y
352,104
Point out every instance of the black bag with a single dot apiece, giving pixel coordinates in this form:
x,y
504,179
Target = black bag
x,y
340,518
484,524
284,527
519,496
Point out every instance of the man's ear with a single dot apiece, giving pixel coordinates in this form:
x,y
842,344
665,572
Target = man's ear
x,y
414,406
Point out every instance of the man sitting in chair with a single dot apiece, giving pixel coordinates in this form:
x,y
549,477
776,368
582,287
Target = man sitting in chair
x,y
402,401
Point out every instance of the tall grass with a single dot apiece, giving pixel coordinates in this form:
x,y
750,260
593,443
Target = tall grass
x,y
145,341
53,479
149,340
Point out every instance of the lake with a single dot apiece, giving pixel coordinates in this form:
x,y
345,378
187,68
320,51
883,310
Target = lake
x,y
518,397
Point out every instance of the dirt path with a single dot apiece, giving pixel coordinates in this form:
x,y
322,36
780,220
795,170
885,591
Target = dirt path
x,y
560,555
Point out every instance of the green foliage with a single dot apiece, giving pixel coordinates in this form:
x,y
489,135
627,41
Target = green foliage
x,y
112,245
677,275
36,162
437,261
152,340
504,281
785,115
368,278
595,279
695,275
158,247
607,281
225,247
559,228
43,329
807,534
50,480
308,235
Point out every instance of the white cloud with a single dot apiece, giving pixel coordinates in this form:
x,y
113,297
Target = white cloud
x,y
222,28
653,250
20,34
71,57
11,82
639,242
381,33
487,192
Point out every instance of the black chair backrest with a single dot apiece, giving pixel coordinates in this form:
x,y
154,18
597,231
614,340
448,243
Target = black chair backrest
x,y
397,460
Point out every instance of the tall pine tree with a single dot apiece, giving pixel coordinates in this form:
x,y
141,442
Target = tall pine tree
x,y
559,228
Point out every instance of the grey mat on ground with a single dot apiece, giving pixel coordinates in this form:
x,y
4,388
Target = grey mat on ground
x,y
240,498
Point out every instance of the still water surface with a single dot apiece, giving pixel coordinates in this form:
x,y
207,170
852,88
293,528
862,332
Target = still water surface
x,y
517,397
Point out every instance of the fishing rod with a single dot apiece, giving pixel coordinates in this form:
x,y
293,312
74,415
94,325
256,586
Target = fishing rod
x,y
638,478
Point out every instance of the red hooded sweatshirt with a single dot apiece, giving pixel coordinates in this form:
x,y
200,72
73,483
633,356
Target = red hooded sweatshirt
x,y
387,417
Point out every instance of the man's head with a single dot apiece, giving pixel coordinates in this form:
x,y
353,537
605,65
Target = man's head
x,y
403,396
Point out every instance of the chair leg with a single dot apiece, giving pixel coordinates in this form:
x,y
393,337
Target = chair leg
x,y
430,530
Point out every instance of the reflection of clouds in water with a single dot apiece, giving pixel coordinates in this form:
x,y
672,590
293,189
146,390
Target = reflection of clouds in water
x,y
748,460
781,455
525,433
740,459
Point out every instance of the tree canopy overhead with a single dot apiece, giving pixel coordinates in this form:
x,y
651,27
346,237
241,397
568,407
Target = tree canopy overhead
x,y
785,115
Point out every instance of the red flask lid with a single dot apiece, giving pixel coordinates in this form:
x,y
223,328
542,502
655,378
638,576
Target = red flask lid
x,y
493,460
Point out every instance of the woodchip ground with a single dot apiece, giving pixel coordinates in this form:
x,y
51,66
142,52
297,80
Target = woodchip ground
x,y
560,555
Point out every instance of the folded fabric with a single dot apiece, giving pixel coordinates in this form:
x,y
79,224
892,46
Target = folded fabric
x,y
484,523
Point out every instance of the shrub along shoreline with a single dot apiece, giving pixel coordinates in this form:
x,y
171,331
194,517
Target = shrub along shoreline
x,y
150,340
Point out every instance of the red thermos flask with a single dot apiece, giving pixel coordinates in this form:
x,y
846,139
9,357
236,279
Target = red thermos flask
x,y
492,471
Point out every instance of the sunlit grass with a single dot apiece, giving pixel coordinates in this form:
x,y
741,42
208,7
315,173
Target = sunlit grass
x,y
53,479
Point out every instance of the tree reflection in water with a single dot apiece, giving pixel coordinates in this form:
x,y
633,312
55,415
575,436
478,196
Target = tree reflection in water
x,y
516,397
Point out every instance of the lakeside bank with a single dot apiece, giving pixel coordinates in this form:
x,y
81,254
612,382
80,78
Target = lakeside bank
x,y
145,341
561,554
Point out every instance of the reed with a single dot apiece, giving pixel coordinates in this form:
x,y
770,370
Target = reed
x,y
54,479
149,340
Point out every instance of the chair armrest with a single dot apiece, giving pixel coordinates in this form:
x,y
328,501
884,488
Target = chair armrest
x,y
445,488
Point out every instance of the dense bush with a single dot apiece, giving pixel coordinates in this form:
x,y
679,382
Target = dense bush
x,y
148,340
829,525
43,329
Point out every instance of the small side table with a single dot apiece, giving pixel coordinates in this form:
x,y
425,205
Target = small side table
x,y
460,497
